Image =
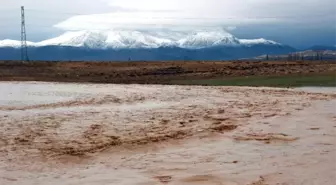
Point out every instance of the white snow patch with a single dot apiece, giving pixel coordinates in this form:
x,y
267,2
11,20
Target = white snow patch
x,y
143,39
257,41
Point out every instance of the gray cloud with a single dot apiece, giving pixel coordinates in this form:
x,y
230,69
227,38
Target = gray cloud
x,y
206,13
49,18
41,15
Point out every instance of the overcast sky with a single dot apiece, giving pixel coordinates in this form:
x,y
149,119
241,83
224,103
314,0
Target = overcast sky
x,y
299,23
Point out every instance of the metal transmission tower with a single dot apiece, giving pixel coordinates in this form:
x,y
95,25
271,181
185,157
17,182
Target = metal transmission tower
x,y
24,50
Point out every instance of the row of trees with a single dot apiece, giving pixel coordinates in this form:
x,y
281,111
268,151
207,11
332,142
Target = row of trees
x,y
297,57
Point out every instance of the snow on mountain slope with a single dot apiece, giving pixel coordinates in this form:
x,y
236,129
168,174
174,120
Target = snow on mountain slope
x,y
257,41
77,39
208,39
13,43
135,39
143,39
108,39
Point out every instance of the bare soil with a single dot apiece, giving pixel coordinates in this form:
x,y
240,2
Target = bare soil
x,y
152,72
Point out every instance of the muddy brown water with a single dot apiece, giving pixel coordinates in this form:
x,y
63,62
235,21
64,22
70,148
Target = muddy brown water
x,y
55,133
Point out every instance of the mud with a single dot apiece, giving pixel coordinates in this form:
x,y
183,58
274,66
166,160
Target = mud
x,y
267,138
135,134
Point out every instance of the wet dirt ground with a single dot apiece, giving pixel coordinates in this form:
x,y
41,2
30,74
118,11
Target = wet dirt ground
x,y
57,133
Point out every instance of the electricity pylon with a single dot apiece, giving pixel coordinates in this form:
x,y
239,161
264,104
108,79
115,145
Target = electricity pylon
x,y
24,49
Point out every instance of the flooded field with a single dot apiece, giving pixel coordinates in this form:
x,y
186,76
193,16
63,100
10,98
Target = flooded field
x,y
58,133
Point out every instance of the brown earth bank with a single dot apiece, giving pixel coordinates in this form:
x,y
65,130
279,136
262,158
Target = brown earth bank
x,y
153,72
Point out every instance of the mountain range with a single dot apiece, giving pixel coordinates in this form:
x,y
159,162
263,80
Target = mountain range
x,y
143,45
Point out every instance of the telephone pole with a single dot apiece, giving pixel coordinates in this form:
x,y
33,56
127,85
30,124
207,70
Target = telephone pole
x,y
24,49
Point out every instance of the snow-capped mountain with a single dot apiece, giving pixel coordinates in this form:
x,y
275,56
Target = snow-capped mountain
x,y
143,39
143,45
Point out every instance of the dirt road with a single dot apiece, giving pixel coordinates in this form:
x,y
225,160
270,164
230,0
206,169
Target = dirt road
x,y
54,133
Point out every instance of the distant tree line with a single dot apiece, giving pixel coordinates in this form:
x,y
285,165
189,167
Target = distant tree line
x,y
299,56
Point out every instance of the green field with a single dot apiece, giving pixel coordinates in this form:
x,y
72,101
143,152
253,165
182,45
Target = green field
x,y
326,80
